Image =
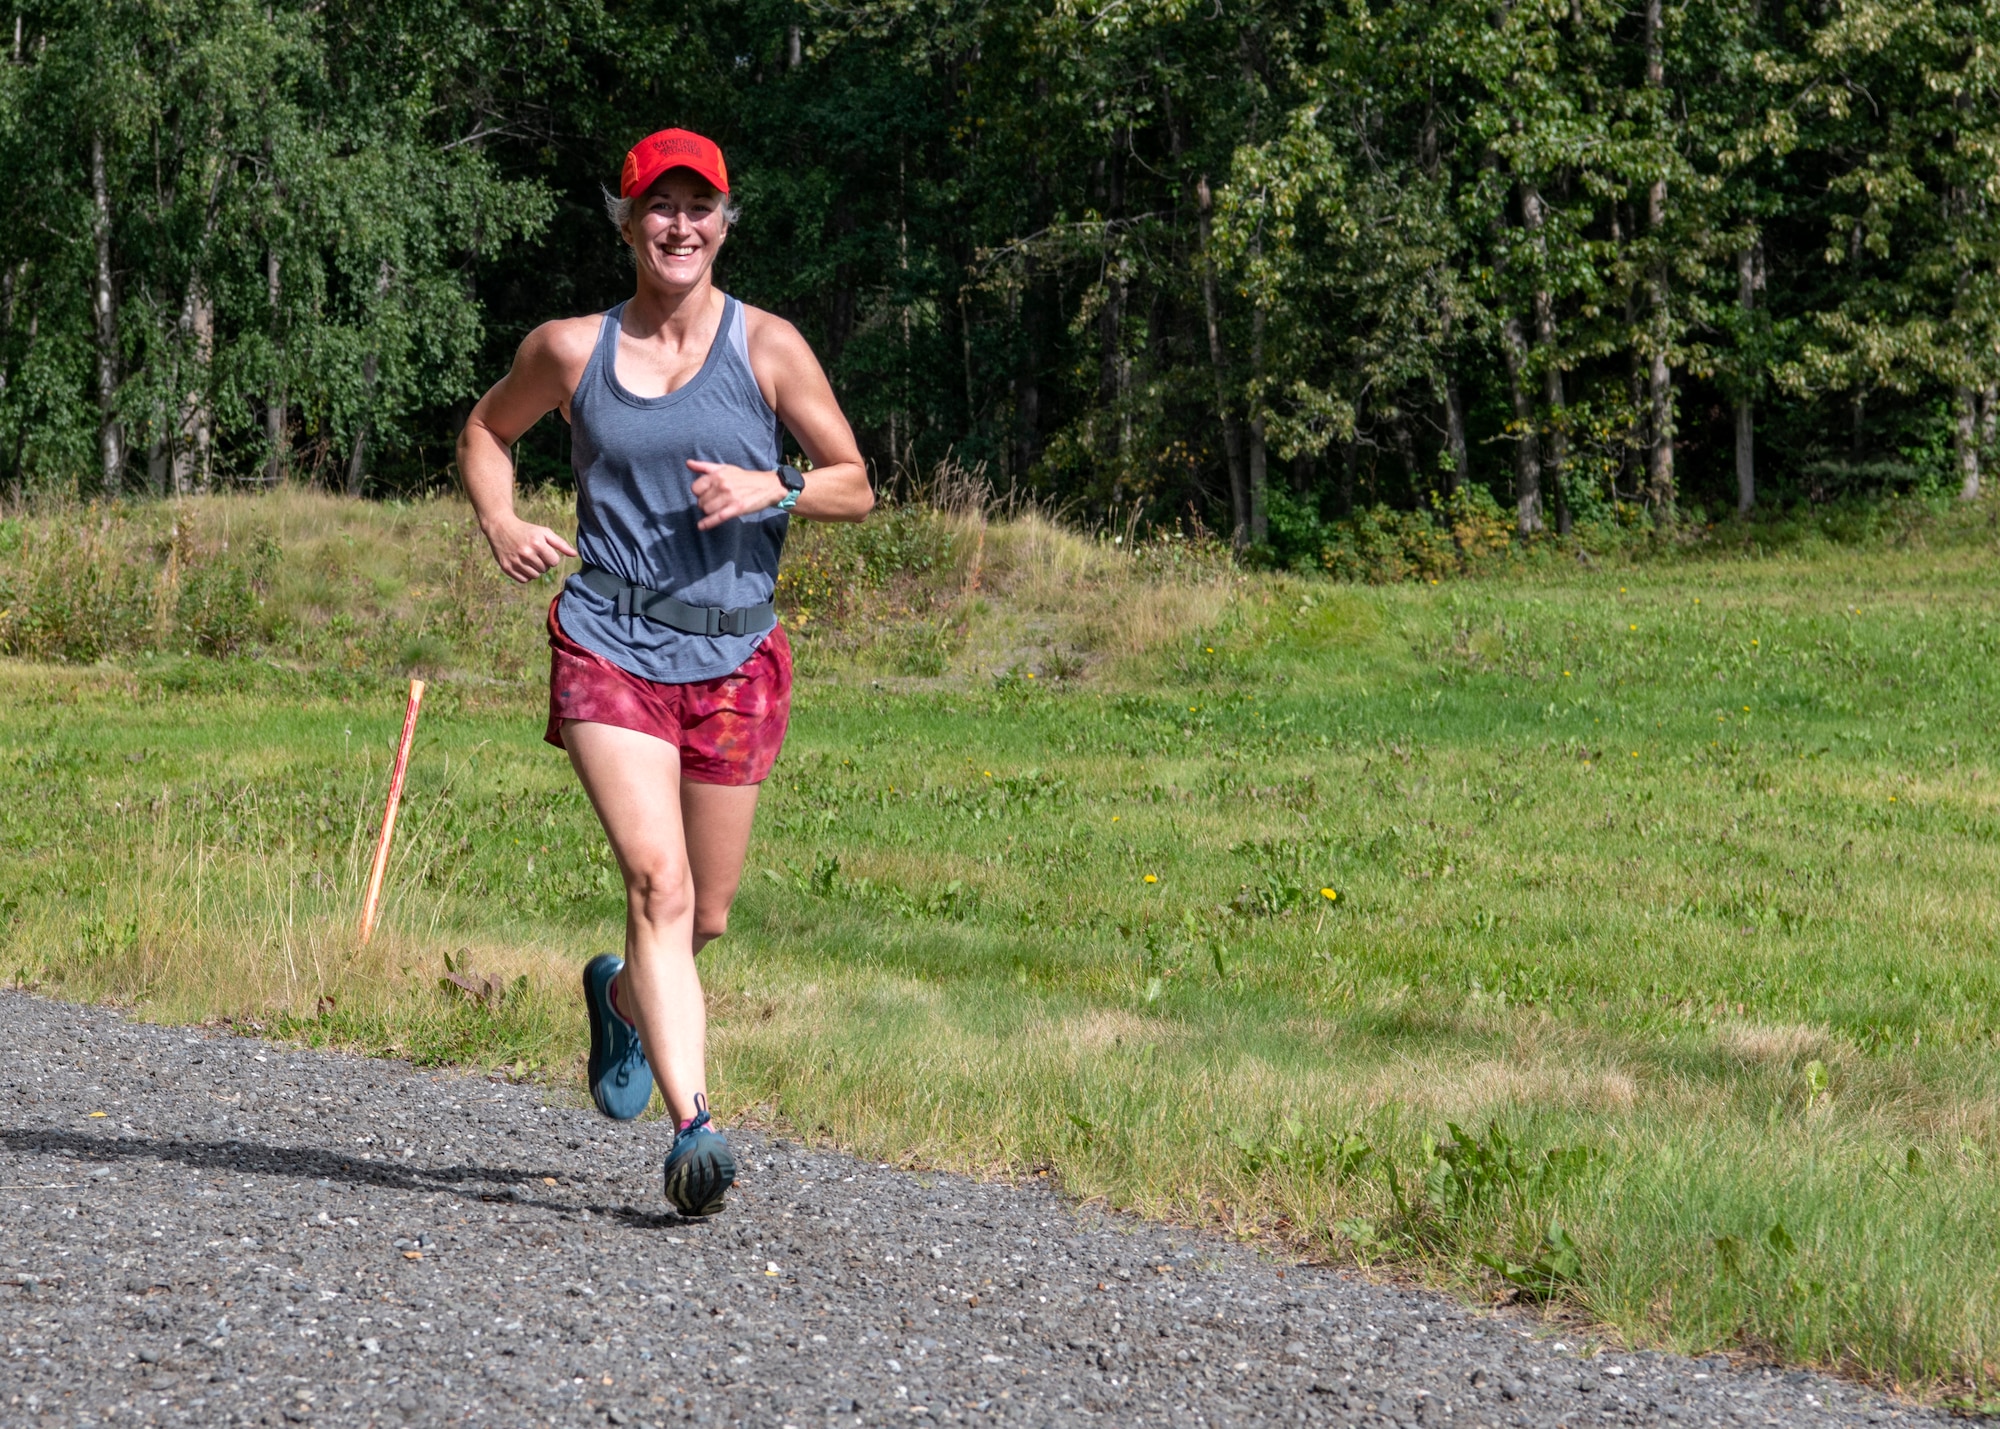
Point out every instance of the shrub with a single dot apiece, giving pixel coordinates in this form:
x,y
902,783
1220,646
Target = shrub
x,y
70,591
1381,546
216,610
830,566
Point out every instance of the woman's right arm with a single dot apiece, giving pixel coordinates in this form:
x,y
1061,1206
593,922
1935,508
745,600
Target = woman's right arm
x,y
544,376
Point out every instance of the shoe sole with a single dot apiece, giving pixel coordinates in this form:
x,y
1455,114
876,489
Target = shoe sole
x,y
699,1186
599,1054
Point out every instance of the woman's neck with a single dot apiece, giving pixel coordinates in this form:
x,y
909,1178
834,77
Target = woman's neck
x,y
674,315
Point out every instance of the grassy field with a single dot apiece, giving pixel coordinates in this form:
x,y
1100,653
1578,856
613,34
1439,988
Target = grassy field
x,y
1620,937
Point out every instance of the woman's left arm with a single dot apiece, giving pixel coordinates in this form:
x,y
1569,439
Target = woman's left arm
x,y
793,383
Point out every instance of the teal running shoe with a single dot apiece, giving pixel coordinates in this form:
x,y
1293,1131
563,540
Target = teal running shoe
x,y
700,1169
621,1083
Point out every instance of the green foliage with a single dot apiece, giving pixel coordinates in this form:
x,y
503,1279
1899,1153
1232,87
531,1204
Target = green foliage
x,y
831,570
215,612
1462,533
1381,257
282,203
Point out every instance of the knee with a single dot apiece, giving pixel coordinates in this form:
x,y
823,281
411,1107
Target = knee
x,y
659,893
710,923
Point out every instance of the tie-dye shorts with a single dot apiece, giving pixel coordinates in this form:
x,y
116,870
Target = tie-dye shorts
x,y
728,729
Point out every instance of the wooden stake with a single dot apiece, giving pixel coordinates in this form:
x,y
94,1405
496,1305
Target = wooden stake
x,y
369,905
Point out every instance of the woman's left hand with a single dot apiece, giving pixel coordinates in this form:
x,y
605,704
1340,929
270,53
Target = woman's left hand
x,y
726,492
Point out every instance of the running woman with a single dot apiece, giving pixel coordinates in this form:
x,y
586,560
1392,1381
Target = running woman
x,y
670,680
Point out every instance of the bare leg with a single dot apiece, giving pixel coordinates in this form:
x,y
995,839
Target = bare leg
x,y
717,818
675,900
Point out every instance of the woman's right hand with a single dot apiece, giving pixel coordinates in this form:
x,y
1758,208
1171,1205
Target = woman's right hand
x,y
525,550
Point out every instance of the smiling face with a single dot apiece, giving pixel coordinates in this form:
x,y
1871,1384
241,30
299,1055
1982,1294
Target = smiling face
x,y
676,229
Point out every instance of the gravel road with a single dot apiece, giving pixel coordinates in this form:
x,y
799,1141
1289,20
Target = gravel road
x,y
199,1228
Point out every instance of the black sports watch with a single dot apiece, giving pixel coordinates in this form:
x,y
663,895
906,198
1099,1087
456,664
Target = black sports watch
x,y
794,482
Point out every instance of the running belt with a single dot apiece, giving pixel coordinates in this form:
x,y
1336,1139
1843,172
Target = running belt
x,y
663,609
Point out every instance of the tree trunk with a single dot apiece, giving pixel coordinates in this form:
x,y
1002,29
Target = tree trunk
x,y
1232,442
274,397
1631,462
10,297
196,434
1965,440
1406,447
1528,447
1660,492
794,47
965,347
357,463
1260,525
1552,378
1114,366
104,309
1989,420
1746,416
21,428
1454,409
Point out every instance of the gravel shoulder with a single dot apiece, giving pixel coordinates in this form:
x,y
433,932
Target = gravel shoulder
x,y
206,1229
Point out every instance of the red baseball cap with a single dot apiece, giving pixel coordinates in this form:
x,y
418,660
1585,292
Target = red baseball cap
x,y
671,149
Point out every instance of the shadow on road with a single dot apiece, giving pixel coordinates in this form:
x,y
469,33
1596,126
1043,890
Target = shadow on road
x,y
319,1164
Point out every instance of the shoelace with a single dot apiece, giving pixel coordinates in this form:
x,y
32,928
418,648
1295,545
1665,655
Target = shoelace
x,y
629,1064
699,1120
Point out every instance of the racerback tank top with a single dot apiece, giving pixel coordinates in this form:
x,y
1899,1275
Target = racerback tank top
x,y
636,511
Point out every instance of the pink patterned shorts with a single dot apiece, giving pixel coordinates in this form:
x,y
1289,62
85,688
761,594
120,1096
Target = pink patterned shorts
x,y
728,729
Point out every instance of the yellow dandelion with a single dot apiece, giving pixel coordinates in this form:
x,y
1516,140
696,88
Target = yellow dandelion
x,y
1565,674
1114,818
1631,627
1208,649
1152,878
1635,754
1892,798
1746,709
987,772
1329,895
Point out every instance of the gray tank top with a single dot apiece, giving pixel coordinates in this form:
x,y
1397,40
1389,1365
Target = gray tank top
x,y
636,512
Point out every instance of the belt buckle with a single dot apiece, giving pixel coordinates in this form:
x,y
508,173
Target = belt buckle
x,y
716,620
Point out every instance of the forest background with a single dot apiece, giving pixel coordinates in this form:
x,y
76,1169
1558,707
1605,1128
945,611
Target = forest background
x,y
1291,270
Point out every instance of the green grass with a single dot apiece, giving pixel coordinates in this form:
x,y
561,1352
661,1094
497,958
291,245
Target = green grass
x,y
1670,887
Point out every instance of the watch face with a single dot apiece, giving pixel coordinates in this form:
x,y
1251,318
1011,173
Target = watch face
x,y
793,478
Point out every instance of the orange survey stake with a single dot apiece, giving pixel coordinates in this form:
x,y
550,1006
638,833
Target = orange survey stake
x,y
369,905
